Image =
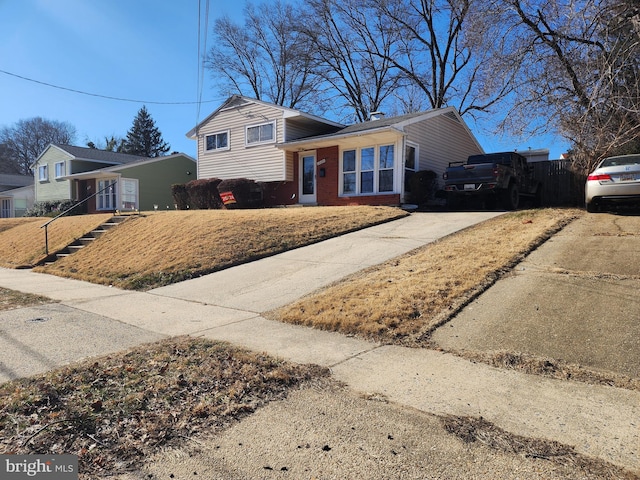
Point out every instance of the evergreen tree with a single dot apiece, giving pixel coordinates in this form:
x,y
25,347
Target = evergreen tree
x,y
144,139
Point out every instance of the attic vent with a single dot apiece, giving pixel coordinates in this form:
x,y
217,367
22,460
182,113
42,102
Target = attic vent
x,y
452,116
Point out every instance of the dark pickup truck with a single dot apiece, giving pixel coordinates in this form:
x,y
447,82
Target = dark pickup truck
x,y
494,177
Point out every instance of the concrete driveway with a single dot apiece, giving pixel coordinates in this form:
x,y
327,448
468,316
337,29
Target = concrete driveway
x,y
575,299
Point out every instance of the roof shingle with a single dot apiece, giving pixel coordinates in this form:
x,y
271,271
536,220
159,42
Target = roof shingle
x,y
99,155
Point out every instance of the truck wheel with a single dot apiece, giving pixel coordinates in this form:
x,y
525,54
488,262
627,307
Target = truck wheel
x,y
512,197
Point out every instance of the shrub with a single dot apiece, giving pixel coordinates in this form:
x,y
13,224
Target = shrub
x,y
424,185
203,193
180,196
52,208
247,193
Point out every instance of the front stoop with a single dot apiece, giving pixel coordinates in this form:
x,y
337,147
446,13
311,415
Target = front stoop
x,y
85,240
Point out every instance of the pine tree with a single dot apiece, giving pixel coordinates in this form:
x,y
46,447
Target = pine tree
x,y
144,139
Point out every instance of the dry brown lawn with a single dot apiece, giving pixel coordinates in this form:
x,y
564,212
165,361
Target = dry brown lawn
x,y
22,241
403,300
112,411
160,248
7,223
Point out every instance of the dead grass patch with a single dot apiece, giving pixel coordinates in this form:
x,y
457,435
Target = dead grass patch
x,y
10,299
112,411
549,367
8,223
157,249
403,300
471,430
23,244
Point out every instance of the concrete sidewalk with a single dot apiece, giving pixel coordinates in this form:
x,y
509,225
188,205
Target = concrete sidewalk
x,y
93,320
227,303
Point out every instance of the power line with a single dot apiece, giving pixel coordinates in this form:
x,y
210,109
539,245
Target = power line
x,y
151,102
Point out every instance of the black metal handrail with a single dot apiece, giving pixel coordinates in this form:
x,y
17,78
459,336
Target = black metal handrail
x,y
46,225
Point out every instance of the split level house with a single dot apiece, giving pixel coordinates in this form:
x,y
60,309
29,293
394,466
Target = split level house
x,y
109,181
305,159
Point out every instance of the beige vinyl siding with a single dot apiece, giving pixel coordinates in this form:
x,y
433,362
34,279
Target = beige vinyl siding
x,y
260,162
53,189
442,140
289,167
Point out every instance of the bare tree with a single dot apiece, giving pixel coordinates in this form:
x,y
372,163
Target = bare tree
x,y
445,52
578,62
266,58
27,139
352,47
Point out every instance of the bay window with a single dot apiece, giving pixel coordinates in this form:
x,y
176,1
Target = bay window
x,y
368,170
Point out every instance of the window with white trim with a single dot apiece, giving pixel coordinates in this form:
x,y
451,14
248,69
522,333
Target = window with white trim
x,y
385,168
60,169
368,170
349,184
217,141
43,173
410,164
263,133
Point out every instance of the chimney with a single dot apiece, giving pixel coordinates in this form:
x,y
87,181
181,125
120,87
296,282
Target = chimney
x,y
376,116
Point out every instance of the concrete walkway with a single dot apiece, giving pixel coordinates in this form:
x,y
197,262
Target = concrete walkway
x,y
601,422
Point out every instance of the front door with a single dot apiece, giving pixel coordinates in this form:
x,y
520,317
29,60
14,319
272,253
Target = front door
x,y
307,186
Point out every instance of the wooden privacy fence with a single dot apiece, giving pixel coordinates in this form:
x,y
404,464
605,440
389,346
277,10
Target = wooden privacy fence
x,y
561,186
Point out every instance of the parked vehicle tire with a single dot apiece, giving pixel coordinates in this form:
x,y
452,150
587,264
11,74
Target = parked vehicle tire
x,y
592,207
511,198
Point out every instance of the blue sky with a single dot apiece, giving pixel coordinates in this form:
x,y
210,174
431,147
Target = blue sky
x,y
144,50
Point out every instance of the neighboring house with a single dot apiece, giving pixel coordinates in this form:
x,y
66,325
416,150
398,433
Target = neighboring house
x,y
533,156
16,195
119,181
308,160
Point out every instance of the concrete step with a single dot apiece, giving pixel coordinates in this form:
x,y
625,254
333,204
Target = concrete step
x,y
87,239
97,233
84,241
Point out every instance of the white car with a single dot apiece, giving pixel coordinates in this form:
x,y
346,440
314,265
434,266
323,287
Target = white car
x,y
615,180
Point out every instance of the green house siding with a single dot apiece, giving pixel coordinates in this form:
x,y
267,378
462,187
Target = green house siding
x,y
51,189
155,180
